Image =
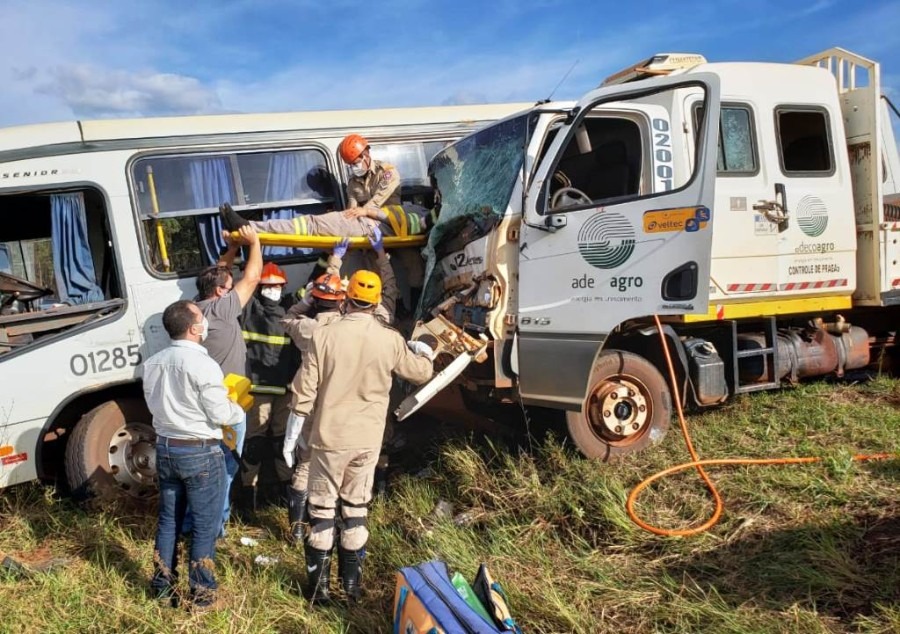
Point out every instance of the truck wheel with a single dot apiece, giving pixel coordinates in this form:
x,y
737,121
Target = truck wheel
x,y
627,408
112,452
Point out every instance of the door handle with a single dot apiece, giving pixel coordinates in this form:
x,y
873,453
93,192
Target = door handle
x,y
554,222
775,211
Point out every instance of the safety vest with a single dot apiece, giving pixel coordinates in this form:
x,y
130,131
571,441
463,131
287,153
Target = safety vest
x,y
405,222
272,358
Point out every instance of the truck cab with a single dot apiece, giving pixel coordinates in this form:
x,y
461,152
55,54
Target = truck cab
x,y
719,198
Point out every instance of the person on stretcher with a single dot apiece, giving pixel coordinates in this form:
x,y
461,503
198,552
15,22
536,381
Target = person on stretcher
x,y
394,220
373,197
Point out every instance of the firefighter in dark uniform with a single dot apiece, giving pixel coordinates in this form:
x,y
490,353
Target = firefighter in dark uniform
x,y
272,361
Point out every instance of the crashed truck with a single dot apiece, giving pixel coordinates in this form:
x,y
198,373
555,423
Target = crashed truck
x,y
752,207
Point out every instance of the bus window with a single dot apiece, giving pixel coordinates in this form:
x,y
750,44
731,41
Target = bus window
x,y
60,269
183,194
411,160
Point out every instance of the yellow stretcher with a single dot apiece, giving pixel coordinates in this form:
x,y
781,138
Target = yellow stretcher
x,y
328,242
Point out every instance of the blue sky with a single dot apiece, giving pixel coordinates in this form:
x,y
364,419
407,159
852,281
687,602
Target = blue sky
x,y
92,59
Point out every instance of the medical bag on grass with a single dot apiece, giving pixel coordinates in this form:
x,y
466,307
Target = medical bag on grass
x,y
426,601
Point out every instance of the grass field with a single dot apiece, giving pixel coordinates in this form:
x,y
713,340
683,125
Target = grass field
x,y
812,548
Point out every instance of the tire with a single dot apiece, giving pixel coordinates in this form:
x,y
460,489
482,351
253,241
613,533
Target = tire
x,y
111,454
628,407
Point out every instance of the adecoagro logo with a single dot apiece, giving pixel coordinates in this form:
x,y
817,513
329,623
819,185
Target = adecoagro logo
x,y
606,240
812,216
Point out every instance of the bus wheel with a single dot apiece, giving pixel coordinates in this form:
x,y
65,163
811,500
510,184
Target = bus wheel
x,y
112,452
627,408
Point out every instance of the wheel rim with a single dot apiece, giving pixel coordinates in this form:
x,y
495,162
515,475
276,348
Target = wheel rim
x,y
132,459
620,410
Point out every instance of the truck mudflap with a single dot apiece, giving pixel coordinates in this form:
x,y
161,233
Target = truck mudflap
x,y
449,341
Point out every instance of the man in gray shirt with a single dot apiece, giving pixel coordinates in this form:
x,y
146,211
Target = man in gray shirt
x,y
186,395
221,300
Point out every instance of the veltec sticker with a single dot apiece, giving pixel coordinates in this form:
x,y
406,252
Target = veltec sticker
x,y
19,457
670,220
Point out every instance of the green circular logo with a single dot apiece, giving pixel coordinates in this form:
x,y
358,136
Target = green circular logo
x,y
812,216
606,240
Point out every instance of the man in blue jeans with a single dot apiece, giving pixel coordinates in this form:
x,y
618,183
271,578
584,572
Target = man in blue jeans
x,y
185,393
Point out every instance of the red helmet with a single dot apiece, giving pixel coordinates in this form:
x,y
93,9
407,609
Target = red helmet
x,y
272,274
328,287
352,148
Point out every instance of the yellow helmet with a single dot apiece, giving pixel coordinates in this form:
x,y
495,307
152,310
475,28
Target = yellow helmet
x,y
364,287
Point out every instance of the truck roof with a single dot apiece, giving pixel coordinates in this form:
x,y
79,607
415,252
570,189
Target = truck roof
x,y
659,64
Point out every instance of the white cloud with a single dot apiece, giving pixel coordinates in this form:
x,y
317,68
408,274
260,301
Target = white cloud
x,y
91,59
92,92
464,97
815,7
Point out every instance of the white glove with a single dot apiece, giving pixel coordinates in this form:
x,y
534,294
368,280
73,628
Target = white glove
x,y
421,348
308,298
292,437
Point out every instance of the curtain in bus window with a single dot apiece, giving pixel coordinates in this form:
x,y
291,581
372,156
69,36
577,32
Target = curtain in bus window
x,y
286,181
210,187
72,262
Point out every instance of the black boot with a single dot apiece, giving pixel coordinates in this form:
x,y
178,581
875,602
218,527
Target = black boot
x,y
297,512
318,572
245,502
231,219
350,565
381,470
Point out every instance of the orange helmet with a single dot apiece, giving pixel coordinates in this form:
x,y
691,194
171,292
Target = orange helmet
x,y
352,148
364,287
328,287
272,274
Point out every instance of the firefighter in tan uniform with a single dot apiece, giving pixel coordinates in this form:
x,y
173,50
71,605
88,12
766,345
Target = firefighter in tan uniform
x,y
320,306
374,193
343,388
373,183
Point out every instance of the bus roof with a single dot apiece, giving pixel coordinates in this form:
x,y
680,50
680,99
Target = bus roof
x,y
98,130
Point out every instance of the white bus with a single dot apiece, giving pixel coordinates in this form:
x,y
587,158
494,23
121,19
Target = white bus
x,y
104,223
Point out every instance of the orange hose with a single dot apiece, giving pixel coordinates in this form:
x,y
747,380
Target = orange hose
x,y
699,464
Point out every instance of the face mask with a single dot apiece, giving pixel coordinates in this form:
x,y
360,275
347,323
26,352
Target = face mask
x,y
271,292
359,169
205,332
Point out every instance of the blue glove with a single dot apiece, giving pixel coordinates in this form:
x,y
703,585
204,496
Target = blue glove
x,y
340,249
376,239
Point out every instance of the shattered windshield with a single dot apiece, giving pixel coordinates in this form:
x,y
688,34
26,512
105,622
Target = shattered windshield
x,y
473,179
